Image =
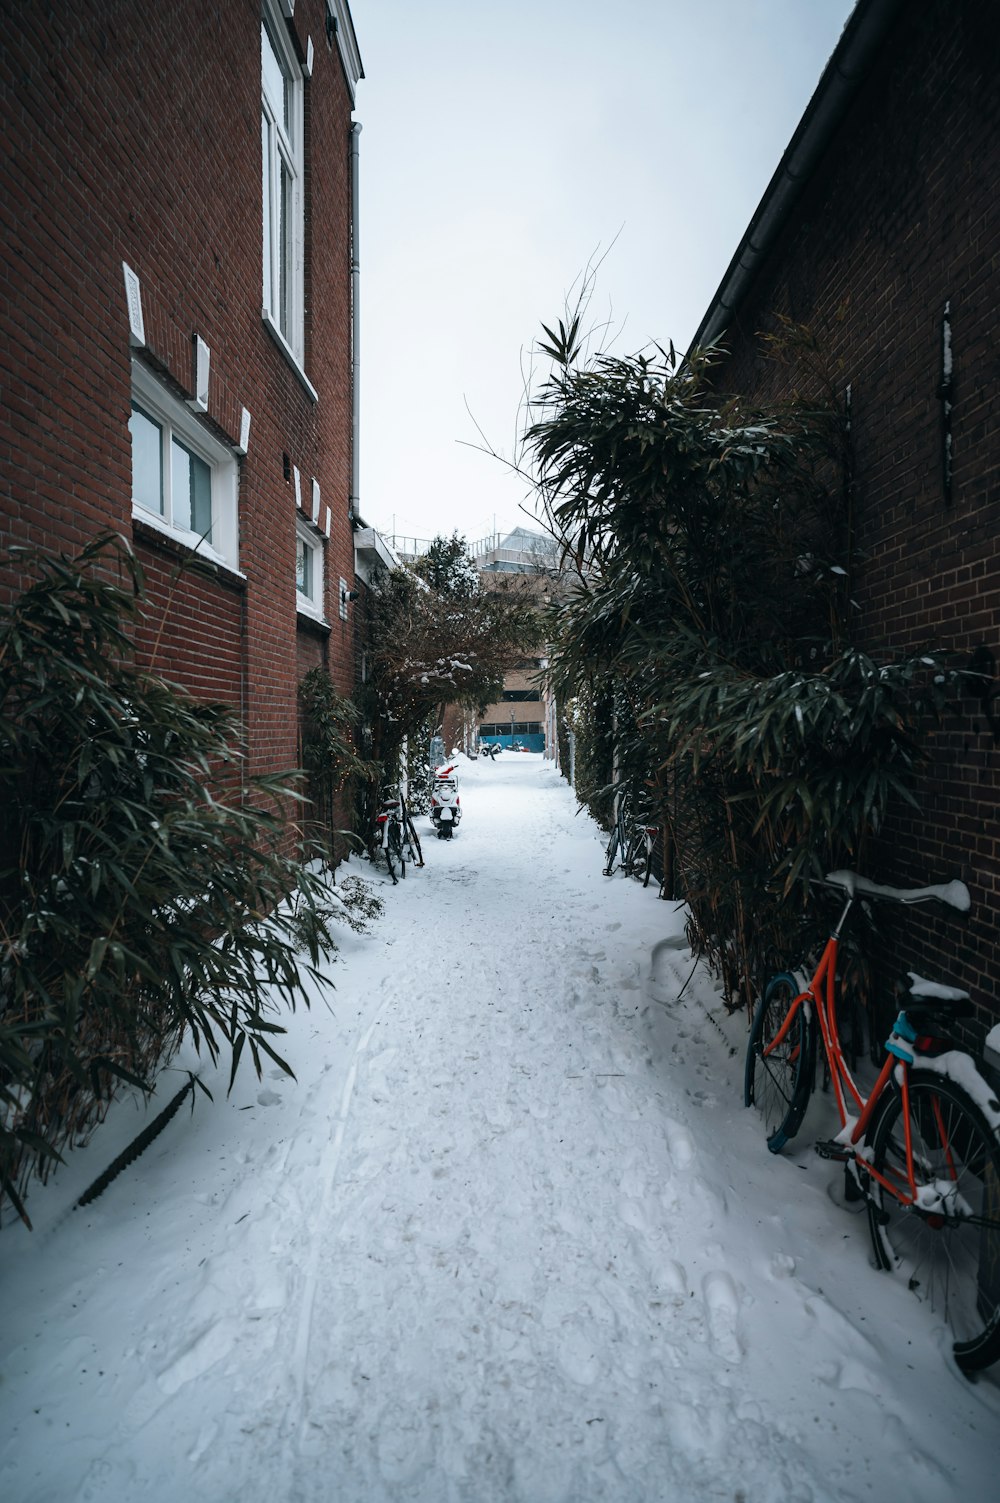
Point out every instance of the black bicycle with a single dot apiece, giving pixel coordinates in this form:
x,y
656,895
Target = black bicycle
x,y
630,844
395,835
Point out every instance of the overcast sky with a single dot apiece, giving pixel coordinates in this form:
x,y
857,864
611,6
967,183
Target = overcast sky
x,y
504,148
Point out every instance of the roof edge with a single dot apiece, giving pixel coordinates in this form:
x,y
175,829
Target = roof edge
x,y
840,80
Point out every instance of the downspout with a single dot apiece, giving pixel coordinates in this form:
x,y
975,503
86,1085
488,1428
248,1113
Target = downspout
x,y
353,509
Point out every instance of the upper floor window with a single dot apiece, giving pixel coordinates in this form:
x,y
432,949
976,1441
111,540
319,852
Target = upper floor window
x,y
183,480
283,162
308,570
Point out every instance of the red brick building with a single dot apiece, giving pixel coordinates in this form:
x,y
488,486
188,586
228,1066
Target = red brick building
x,y
176,324
880,231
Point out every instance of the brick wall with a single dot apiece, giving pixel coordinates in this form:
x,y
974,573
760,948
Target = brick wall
x,y
132,133
900,218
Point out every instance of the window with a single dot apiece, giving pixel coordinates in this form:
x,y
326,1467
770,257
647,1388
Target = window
x,y
308,571
183,480
516,695
283,171
508,728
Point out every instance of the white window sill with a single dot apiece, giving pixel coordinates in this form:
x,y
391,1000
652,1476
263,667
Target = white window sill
x,y
305,607
184,539
289,353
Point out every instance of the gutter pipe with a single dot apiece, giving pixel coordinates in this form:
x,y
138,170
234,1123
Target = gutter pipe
x,y
353,507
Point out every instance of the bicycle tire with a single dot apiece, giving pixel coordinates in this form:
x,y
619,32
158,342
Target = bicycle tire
x,y
635,854
647,870
394,842
623,836
781,1084
611,852
951,1260
387,852
413,840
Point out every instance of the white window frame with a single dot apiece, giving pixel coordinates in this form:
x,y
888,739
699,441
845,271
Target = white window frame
x,y
176,420
312,541
283,147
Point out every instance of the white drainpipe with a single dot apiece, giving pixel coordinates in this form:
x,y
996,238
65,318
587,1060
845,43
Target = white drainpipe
x,y
355,329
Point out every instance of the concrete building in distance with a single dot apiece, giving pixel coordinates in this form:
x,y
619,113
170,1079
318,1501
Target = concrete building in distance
x,y
524,716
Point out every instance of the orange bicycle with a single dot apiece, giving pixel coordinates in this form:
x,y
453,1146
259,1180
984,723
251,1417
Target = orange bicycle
x,y
922,1148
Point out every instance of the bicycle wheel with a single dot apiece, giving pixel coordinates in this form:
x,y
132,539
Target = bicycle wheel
x,y
635,854
611,852
949,1247
647,870
394,847
413,841
624,833
387,851
779,1083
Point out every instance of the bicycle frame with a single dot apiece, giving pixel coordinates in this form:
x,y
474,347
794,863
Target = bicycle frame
x,y
821,995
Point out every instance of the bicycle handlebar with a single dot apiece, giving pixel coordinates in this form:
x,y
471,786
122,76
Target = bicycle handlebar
x,y
955,894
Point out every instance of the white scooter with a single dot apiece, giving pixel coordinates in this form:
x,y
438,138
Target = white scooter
x,y
446,805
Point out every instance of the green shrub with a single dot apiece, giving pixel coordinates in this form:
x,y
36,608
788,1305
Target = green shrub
x,y
144,889
336,770
713,617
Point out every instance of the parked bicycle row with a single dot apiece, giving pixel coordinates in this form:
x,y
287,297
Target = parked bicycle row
x,y
920,1142
394,839
634,839
920,1145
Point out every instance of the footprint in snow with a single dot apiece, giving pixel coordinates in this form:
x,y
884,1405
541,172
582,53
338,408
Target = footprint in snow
x,y
722,1307
268,1098
667,970
631,1213
577,1358
672,1279
403,1444
586,973
633,1183
680,1145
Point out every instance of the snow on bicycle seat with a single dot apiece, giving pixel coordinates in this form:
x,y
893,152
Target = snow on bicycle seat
x,y
937,998
955,894
921,987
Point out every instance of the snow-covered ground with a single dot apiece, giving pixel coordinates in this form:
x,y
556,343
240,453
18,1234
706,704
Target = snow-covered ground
x,y
509,1236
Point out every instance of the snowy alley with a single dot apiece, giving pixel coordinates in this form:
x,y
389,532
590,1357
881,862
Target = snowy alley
x,y
510,1235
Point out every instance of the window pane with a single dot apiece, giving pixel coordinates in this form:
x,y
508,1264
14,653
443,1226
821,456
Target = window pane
x,y
303,568
266,155
285,250
147,460
275,84
282,167
191,482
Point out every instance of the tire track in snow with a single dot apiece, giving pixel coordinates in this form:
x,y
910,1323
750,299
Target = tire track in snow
x,y
307,1299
